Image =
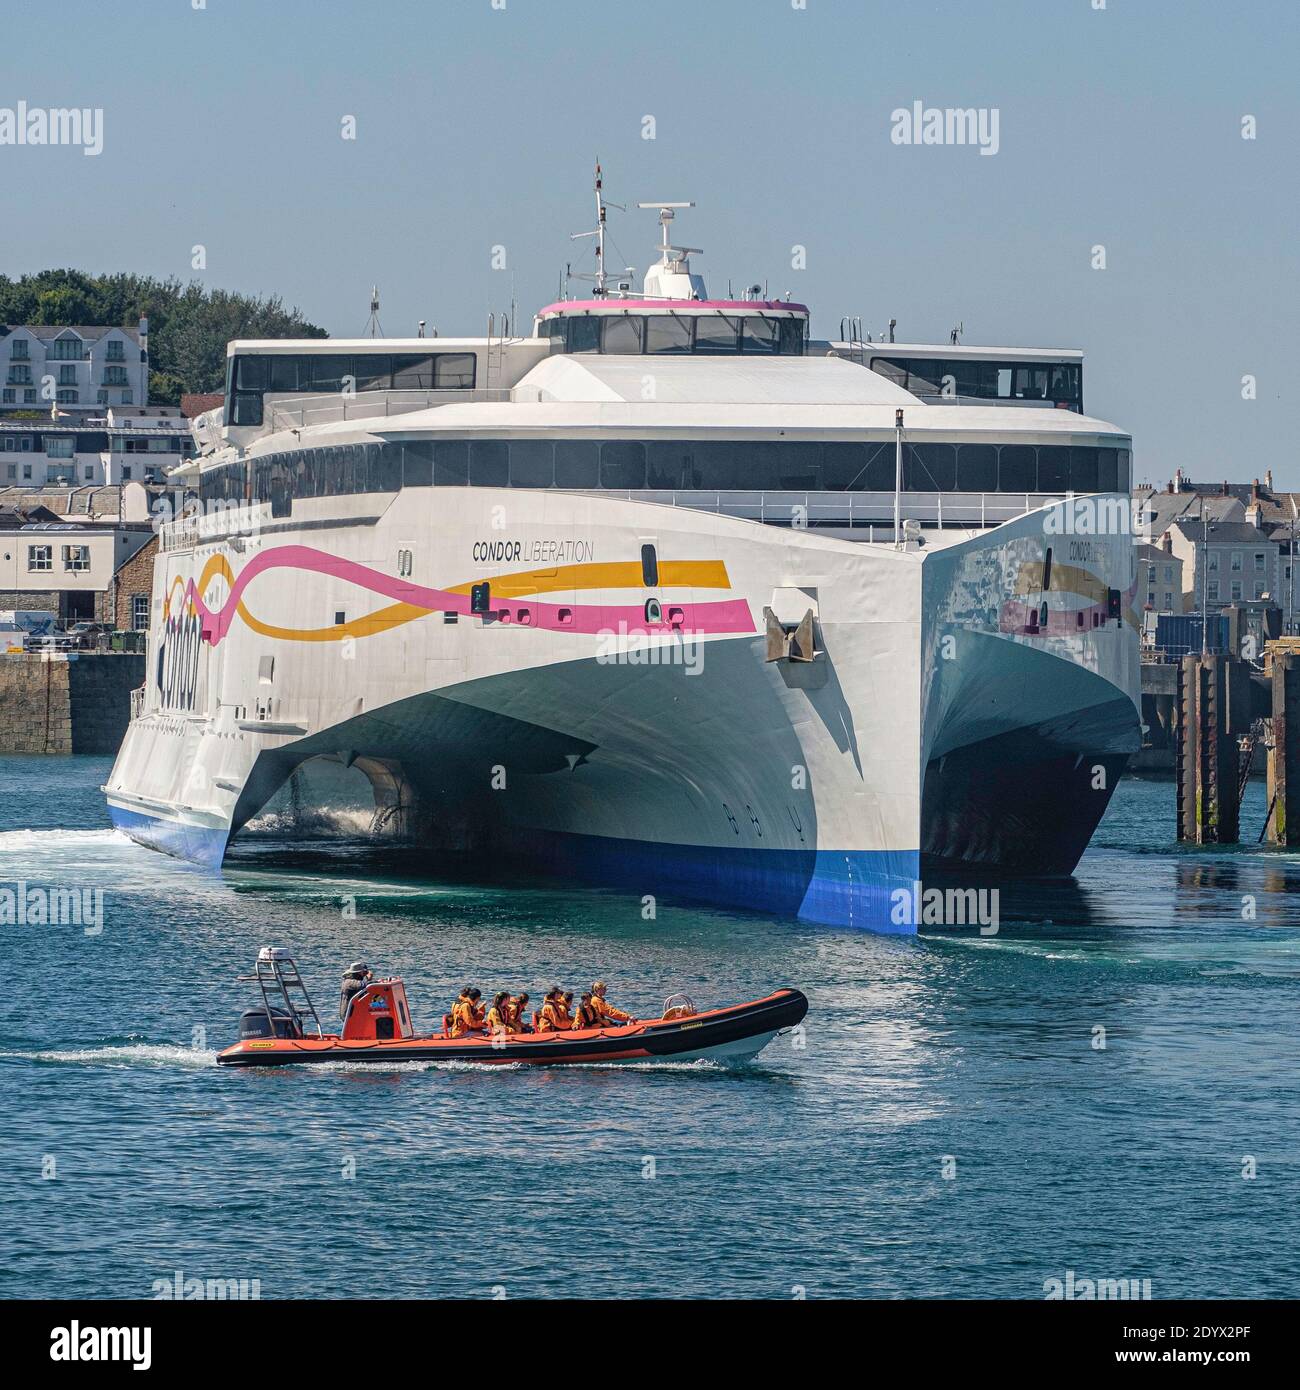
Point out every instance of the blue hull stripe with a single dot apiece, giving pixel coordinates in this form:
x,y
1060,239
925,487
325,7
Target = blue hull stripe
x,y
194,842
850,888
846,889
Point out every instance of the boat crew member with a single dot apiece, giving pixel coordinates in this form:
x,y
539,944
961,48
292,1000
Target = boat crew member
x,y
605,1011
585,1017
466,1014
355,978
555,1014
519,1020
500,1017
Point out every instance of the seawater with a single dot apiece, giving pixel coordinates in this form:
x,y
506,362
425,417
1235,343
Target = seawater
x,y
969,1116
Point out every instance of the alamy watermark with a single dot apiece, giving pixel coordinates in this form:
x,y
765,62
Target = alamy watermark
x,y
177,1286
1098,516
53,125
24,906
1073,1287
637,647
918,906
920,124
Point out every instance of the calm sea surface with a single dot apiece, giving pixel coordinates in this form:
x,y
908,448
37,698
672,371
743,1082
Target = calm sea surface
x,y
821,1167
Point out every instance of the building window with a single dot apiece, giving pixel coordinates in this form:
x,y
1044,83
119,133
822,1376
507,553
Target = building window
x,y
40,558
101,397
59,446
1169,599
1259,559
29,396
27,472
66,397
76,557
1236,562
1236,589
126,398
1213,562
1169,573
115,376
20,376
126,472
1214,590
139,612
20,350
114,352
67,375
90,472
11,471
66,350
10,396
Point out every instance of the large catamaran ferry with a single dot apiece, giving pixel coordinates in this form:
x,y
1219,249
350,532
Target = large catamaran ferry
x,y
665,594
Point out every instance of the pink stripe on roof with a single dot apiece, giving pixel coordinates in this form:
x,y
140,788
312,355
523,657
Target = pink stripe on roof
x,y
631,305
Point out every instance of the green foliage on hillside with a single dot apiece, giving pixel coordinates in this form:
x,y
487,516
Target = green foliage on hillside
x,y
189,326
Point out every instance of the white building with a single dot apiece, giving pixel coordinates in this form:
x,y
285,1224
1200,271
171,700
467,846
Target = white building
x,y
81,370
1225,562
65,567
141,444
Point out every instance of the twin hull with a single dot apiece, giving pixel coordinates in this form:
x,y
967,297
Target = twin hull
x,y
614,715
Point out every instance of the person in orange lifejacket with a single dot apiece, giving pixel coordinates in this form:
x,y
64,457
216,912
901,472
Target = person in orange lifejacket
x,y
605,1011
585,1015
500,1017
467,1013
518,1007
555,1016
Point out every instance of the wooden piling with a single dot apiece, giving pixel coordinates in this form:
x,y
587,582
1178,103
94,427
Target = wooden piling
x,y
1283,826
1213,699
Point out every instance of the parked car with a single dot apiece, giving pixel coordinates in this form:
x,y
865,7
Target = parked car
x,y
87,636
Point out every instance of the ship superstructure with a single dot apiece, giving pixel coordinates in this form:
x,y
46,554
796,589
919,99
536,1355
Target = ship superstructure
x,y
666,593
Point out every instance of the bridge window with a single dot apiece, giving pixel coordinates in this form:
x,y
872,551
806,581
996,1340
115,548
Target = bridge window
x,y
754,466
929,467
454,371
717,333
761,335
489,463
622,464
623,334
1017,468
977,468
668,333
532,463
577,464
582,334
1054,383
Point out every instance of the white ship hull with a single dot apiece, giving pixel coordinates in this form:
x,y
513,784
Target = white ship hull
x,y
938,727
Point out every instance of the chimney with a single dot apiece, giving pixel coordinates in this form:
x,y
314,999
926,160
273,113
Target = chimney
x,y
1254,490
1178,480
1224,489
1169,487
1268,479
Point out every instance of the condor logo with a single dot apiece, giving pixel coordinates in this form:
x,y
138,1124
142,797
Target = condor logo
x,y
496,550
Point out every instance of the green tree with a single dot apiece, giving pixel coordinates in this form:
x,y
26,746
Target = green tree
x,y
189,326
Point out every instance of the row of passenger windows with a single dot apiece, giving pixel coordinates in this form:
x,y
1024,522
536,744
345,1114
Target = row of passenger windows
x,y
631,465
635,334
249,375
1055,383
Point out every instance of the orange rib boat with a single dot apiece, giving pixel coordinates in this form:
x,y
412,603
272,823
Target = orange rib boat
x,y
286,1030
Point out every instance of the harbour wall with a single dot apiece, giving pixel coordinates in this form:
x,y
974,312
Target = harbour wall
x,y
78,702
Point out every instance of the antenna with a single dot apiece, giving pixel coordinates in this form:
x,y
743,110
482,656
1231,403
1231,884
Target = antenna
x,y
373,327
599,234
955,336
666,214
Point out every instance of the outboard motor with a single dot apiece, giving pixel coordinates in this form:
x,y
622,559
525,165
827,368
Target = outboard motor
x,y
268,1023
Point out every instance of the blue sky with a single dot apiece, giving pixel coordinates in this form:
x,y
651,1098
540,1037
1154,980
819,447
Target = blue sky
x,y
478,126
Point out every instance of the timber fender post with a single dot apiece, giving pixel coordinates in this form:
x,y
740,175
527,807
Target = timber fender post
x,y
1283,826
1213,701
